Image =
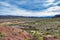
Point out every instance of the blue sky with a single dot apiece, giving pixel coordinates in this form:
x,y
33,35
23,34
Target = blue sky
x,y
37,8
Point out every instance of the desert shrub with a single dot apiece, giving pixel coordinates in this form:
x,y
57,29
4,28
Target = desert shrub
x,y
2,35
37,35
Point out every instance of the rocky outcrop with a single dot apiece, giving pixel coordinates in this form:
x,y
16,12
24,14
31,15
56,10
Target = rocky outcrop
x,y
12,33
50,38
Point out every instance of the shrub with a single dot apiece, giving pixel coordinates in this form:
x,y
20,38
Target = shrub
x,y
2,35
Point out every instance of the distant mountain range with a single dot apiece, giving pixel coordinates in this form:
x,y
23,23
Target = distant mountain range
x,y
10,17
57,16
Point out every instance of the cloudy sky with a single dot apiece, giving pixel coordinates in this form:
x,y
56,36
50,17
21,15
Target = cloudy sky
x,y
36,8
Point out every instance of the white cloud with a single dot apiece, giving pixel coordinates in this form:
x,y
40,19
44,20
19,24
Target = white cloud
x,y
4,3
13,10
50,2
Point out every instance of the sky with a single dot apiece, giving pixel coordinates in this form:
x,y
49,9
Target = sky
x,y
35,8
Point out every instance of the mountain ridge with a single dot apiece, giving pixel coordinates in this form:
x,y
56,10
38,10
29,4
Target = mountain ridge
x,y
11,16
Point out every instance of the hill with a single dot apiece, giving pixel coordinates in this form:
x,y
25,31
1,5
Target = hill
x,y
12,33
57,16
14,17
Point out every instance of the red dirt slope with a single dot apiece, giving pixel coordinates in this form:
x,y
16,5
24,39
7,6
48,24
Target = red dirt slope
x,y
13,33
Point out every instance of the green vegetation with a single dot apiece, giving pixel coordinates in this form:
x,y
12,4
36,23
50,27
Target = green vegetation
x,y
38,27
2,35
37,36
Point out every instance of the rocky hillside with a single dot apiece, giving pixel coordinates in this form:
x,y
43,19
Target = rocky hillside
x,y
13,33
